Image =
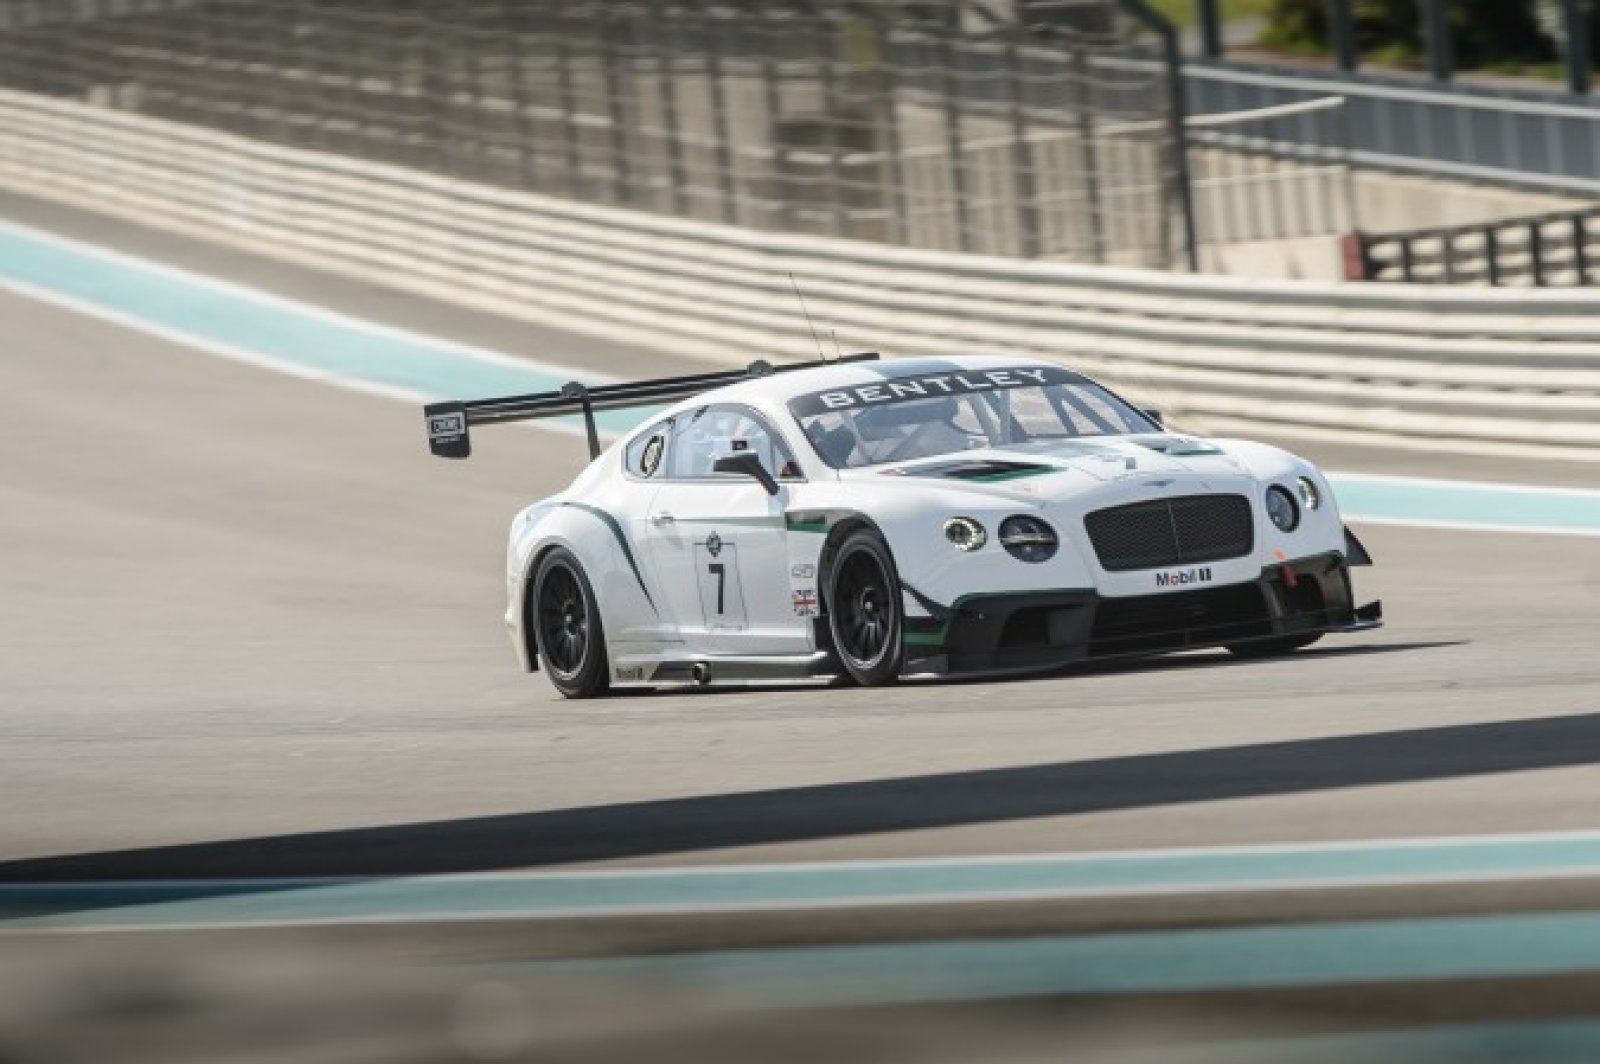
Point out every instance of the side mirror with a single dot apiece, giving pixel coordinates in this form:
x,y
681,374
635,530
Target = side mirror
x,y
1154,414
746,464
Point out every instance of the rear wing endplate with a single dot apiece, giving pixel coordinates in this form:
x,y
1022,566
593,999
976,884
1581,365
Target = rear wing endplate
x,y
450,423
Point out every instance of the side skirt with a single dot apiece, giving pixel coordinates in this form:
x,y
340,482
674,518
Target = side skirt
x,y
716,671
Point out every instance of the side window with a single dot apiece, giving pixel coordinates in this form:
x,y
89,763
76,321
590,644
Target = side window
x,y
644,454
713,432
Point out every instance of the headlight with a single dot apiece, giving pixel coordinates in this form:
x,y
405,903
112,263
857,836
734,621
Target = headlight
x,y
964,533
1028,538
1310,497
1281,509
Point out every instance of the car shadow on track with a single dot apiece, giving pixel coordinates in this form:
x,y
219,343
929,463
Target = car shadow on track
x,y
1221,659
823,811
1209,658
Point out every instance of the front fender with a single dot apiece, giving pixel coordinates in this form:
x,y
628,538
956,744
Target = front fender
x,y
934,573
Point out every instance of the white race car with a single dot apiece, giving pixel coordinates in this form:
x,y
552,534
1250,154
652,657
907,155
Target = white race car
x,y
874,520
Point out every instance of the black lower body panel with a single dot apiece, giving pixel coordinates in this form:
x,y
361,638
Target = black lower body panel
x,y
1050,629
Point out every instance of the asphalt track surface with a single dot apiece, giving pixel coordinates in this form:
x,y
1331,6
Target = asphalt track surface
x,y
251,632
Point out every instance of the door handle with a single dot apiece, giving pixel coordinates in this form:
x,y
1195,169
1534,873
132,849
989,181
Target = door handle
x,y
662,517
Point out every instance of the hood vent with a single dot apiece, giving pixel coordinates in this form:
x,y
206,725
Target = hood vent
x,y
1178,446
977,470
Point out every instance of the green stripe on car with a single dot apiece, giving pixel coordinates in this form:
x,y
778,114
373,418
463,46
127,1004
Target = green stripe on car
x,y
622,541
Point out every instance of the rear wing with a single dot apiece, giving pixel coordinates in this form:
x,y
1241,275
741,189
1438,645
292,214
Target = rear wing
x,y
450,423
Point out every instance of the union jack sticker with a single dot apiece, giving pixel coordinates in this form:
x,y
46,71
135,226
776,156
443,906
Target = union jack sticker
x,y
805,602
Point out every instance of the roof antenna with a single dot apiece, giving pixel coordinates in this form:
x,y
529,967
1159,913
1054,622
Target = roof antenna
x,y
820,352
837,354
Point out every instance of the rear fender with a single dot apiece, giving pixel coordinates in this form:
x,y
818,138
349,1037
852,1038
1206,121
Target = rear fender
x,y
610,564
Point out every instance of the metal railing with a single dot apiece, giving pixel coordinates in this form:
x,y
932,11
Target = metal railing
x,y
1549,250
1431,123
1523,139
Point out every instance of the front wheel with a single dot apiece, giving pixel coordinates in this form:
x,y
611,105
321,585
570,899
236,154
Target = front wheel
x,y
566,619
864,609
1272,648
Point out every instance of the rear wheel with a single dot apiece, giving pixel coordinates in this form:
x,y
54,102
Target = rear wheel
x,y
1272,648
864,609
566,620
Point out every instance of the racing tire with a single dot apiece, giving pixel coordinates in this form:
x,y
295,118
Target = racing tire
x,y
864,615
1273,648
566,624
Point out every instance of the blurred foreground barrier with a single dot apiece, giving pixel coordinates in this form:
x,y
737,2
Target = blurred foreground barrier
x,y
1468,369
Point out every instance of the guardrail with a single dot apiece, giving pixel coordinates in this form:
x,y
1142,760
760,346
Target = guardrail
x,y
1558,249
1463,368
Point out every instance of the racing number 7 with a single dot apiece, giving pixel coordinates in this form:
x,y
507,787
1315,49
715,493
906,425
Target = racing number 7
x,y
720,571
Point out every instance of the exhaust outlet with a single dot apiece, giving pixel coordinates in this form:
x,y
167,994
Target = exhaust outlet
x,y
700,672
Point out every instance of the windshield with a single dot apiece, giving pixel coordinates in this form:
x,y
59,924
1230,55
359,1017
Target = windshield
x,y
939,413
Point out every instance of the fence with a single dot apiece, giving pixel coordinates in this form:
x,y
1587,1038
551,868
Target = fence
x,y
1510,368
1523,139
1564,22
935,125
1517,136
1548,250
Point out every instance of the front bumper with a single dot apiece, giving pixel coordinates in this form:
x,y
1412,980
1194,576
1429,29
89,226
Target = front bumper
x,y
1049,629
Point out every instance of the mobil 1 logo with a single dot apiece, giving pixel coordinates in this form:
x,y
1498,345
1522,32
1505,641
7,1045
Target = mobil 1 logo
x,y
1184,577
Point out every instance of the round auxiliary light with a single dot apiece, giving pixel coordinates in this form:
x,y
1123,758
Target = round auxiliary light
x,y
964,533
1281,509
1310,495
1028,538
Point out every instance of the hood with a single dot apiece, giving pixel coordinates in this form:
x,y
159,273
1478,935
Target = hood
x,y
1061,467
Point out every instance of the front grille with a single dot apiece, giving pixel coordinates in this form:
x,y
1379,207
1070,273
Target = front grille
x,y
1168,532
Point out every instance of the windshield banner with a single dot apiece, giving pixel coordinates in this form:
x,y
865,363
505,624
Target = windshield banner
x,y
929,386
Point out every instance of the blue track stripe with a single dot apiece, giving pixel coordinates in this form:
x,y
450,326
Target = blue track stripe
x,y
310,341
1461,503
802,885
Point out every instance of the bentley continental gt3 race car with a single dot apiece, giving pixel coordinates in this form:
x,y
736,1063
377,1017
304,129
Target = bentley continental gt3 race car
x,y
871,520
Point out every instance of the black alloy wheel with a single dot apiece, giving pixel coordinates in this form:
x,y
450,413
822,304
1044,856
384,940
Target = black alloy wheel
x,y
572,644
864,609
